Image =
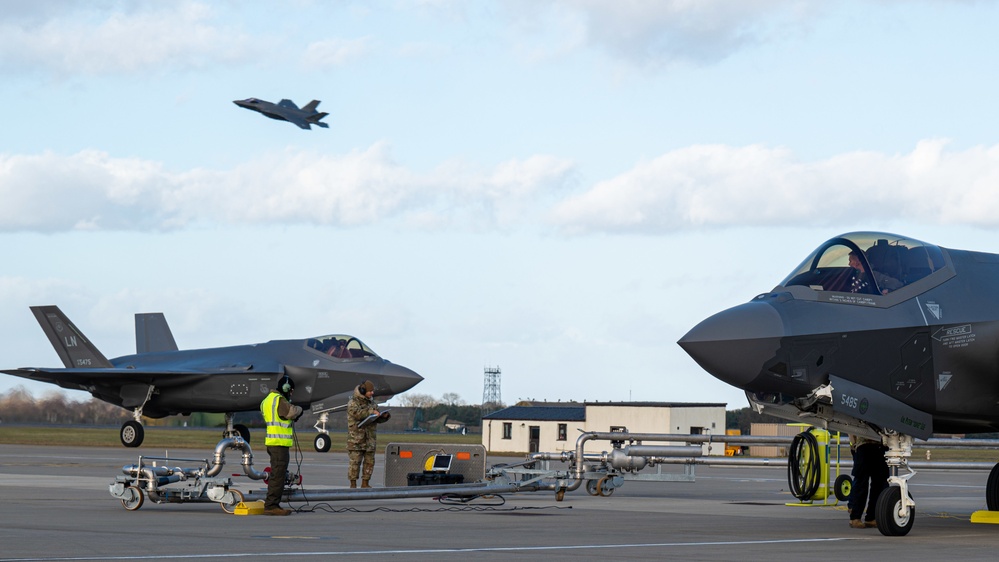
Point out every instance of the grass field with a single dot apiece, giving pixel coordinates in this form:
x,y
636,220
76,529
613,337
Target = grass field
x,y
192,438
207,438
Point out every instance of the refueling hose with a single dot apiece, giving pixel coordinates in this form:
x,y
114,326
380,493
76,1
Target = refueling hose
x,y
803,470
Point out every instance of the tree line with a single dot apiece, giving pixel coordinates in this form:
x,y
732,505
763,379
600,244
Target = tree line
x,y
19,406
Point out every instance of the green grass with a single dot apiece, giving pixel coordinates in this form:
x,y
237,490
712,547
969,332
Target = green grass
x,y
192,438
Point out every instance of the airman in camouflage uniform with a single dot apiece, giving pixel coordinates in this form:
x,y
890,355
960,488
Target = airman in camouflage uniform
x,y
361,443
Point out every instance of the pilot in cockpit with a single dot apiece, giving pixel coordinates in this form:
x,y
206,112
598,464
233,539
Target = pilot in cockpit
x,y
860,283
337,348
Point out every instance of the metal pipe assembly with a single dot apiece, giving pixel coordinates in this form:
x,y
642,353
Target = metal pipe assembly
x,y
239,444
158,479
404,492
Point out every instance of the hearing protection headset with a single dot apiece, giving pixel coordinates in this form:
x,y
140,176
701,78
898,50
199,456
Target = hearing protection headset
x,y
286,385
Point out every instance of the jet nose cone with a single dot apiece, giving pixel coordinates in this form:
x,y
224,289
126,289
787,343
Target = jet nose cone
x,y
399,378
733,345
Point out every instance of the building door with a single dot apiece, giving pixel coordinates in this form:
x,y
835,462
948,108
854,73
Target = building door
x,y
534,439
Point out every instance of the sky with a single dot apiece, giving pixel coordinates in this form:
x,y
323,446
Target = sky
x,y
558,188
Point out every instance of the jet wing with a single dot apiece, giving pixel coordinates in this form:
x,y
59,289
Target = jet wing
x,y
83,379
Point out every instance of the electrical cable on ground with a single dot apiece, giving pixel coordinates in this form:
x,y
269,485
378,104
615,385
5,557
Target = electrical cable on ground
x,y
803,467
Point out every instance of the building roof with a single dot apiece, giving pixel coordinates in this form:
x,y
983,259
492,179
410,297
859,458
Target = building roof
x,y
661,404
539,413
637,404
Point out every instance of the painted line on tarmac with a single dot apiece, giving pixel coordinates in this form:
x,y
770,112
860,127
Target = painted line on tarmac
x,y
431,550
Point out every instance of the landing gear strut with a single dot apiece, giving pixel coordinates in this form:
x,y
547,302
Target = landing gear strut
x,y
323,441
131,433
235,430
896,511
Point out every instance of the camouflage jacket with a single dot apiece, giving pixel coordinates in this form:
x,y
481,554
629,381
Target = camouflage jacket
x,y
363,439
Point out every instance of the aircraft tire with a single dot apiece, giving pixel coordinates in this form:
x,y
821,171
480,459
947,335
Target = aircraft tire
x,y
842,487
992,489
322,443
889,523
131,433
243,431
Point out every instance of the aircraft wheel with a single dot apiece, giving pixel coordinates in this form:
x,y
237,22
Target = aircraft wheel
x,y
591,488
242,430
322,442
889,522
842,487
603,488
234,497
134,499
131,433
992,490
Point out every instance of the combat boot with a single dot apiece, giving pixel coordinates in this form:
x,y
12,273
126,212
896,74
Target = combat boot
x,y
353,483
364,483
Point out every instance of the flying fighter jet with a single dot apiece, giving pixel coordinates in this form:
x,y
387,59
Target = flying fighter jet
x,y
160,380
286,110
897,346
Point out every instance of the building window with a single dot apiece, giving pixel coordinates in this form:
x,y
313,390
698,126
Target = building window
x,y
507,430
562,432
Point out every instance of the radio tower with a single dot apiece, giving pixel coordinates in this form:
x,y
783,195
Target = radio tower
x,y
491,387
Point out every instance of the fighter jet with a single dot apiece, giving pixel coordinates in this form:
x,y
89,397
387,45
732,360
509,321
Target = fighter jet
x,y
286,110
896,346
160,380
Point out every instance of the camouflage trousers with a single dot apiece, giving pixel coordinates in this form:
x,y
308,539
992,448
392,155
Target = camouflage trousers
x,y
355,464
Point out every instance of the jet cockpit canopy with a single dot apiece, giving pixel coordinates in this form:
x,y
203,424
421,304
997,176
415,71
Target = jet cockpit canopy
x,y
341,346
880,263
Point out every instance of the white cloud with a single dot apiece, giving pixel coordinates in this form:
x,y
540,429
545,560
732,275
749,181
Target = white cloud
x,y
659,32
91,190
98,41
698,186
335,52
716,185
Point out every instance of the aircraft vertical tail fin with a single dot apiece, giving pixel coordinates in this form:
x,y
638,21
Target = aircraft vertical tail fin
x,y
75,350
311,106
152,333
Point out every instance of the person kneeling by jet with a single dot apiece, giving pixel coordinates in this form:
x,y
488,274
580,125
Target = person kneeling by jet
x,y
279,415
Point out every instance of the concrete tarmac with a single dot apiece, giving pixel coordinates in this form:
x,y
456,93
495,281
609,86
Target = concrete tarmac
x,y
55,505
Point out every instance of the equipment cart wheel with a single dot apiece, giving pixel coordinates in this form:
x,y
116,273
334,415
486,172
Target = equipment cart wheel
x,y
323,442
604,487
889,522
230,500
842,487
992,490
133,499
131,433
591,488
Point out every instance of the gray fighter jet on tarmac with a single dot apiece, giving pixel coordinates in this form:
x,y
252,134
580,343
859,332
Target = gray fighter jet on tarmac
x,y
876,335
160,380
286,110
